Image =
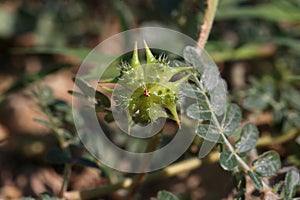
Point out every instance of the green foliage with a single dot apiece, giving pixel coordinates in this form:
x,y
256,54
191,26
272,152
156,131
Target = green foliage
x,y
60,122
279,10
292,183
267,164
224,123
59,114
228,160
256,180
248,139
165,195
255,30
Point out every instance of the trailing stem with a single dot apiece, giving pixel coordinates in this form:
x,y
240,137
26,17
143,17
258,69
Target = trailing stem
x,y
207,22
140,178
242,163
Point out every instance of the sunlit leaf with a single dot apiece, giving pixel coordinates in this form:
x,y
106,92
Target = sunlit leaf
x,y
164,195
209,132
199,111
85,87
248,139
193,56
210,77
228,160
218,98
267,164
191,91
256,180
93,95
232,119
291,183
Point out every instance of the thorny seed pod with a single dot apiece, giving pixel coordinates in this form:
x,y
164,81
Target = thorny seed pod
x,y
147,92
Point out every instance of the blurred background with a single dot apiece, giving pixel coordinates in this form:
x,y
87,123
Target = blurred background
x,y
256,44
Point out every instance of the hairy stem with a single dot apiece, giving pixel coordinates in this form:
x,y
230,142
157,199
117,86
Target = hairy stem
x,y
207,22
140,178
62,144
66,176
242,163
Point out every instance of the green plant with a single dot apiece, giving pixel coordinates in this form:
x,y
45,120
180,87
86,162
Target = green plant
x,y
153,94
218,121
59,119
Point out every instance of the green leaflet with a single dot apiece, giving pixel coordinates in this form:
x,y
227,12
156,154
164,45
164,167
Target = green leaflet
x,y
209,132
248,139
228,160
267,164
291,183
199,111
164,195
232,119
256,180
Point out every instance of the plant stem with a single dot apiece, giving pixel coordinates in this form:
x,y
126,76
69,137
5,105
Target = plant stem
x,y
242,163
170,171
139,179
66,176
207,22
62,144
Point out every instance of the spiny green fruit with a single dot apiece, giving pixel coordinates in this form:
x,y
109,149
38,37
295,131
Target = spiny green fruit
x,y
147,90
